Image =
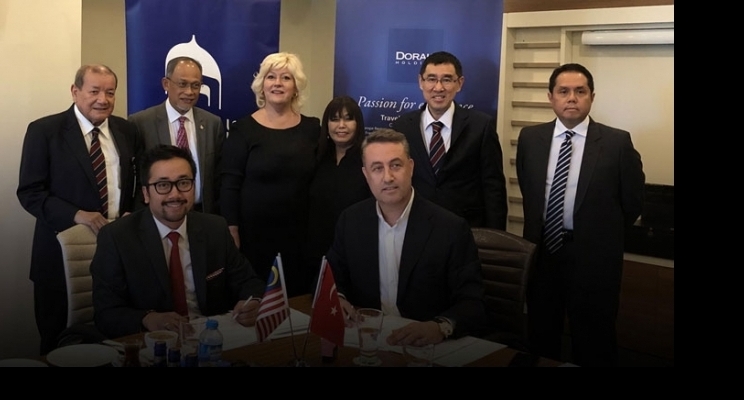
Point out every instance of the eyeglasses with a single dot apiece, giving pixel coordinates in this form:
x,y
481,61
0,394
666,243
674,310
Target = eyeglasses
x,y
446,81
183,85
165,187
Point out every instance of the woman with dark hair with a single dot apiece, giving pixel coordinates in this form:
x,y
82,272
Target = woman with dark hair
x,y
338,181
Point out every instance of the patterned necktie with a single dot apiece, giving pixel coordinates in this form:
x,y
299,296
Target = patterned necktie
x,y
554,216
176,277
99,170
182,140
436,147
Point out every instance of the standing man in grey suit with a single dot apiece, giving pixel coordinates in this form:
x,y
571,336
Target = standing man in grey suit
x,y
57,184
205,131
579,268
469,179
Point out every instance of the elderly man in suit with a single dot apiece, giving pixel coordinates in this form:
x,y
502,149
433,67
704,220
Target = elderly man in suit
x,y
136,287
405,255
179,122
77,167
457,151
582,184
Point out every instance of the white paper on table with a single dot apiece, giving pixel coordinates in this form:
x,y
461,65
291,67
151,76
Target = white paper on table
x,y
235,335
450,353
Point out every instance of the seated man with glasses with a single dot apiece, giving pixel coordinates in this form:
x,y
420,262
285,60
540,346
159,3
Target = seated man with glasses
x,y
456,150
165,263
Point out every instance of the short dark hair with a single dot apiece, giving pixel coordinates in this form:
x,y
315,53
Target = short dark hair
x,y
161,153
96,69
337,106
171,66
441,57
571,68
385,135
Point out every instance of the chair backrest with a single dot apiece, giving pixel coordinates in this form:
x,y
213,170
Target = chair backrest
x,y
78,246
506,261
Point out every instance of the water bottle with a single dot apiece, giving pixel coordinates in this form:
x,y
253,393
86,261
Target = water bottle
x,y
210,345
159,355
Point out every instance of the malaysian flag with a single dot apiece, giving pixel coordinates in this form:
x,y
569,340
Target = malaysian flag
x,y
274,306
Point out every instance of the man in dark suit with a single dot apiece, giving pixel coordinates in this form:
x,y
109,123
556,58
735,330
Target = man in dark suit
x,y
578,275
405,255
204,131
133,288
469,179
57,184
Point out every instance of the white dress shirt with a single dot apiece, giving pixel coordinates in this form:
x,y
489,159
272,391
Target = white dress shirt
x,y
111,157
390,245
577,154
446,119
184,251
190,126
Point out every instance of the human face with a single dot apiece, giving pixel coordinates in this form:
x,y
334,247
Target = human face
x,y
389,172
169,208
342,128
184,86
279,86
439,96
571,98
97,97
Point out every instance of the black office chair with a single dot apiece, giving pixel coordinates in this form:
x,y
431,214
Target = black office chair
x,y
506,261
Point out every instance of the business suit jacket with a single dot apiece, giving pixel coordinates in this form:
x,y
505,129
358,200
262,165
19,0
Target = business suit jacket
x,y
440,273
154,127
56,180
130,271
471,180
609,198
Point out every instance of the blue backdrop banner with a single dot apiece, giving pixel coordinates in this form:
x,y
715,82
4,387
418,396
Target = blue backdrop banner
x,y
380,46
229,38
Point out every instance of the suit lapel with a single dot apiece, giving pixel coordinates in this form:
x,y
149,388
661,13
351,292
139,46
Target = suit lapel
x,y
418,147
544,141
417,234
592,149
162,125
150,238
198,250
201,141
73,136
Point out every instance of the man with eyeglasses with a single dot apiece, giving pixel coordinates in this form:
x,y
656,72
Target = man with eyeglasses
x,y
136,285
456,150
179,122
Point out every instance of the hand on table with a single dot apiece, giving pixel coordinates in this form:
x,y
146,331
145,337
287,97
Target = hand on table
x,y
246,314
155,321
350,316
416,334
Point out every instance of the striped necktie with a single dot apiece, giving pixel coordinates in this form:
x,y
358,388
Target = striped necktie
x,y
182,140
436,147
553,233
99,170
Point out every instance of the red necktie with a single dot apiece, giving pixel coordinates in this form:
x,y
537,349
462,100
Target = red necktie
x,y
176,276
99,169
182,140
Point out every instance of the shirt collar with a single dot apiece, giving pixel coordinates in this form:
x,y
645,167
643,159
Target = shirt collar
x,y
403,215
164,230
173,115
446,118
87,126
580,129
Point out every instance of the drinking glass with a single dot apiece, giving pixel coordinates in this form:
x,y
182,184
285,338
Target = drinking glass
x,y
189,332
369,325
418,356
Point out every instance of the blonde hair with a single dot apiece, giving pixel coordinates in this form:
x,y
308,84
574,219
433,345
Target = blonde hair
x,y
279,61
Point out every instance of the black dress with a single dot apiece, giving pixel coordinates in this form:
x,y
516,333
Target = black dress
x,y
333,189
266,176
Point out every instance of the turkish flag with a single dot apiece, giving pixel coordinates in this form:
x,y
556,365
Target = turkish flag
x,y
327,320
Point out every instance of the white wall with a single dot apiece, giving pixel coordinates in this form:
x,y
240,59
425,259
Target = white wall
x,y
40,51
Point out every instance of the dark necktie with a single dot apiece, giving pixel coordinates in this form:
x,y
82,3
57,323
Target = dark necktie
x,y
436,147
176,277
99,169
553,233
182,140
